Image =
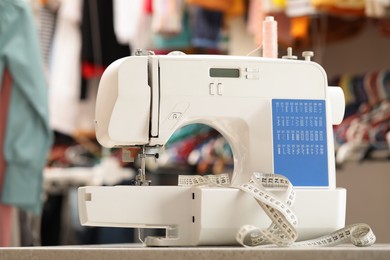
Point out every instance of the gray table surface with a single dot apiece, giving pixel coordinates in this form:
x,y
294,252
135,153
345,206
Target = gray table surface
x,y
137,251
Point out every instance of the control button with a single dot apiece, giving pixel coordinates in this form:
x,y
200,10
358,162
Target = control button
x,y
212,88
174,115
252,76
307,55
220,89
252,69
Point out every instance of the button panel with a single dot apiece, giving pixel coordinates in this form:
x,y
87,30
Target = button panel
x,y
220,89
252,70
252,73
212,89
252,76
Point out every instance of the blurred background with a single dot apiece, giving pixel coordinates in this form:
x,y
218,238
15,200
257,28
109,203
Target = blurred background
x,y
53,53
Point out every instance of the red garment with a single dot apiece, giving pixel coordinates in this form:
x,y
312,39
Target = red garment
x,y
5,210
90,70
148,7
5,224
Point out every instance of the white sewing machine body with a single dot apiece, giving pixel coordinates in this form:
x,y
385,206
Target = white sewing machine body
x,y
276,114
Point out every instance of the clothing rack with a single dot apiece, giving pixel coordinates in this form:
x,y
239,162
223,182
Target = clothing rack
x,y
366,126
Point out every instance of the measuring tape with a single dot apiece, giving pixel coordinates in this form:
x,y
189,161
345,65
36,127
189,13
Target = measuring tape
x,y
282,231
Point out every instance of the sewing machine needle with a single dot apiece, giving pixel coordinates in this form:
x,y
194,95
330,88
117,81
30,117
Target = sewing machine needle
x,y
141,176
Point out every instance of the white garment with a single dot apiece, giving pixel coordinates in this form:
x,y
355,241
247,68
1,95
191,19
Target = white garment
x,y
65,75
167,17
296,8
131,24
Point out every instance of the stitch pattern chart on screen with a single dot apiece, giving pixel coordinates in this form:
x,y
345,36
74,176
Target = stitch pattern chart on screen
x,y
300,141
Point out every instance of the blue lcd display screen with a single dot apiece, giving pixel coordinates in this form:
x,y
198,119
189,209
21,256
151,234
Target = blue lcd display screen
x,y
300,141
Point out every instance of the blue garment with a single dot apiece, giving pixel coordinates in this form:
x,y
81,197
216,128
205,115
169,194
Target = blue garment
x,y
177,42
28,136
207,28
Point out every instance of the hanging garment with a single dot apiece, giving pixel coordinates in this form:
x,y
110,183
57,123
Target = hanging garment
x,y
148,6
47,18
377,8
216,5
181,41
207,28
5,210
65,71
230,8
99,46
167,17
356,7
5,225
27,134
299,8
132,23
5,94
256,15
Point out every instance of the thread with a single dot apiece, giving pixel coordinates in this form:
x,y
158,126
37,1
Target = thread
x,y
270,37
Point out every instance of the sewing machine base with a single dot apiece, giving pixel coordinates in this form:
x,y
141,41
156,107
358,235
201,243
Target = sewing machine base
x,y
203,216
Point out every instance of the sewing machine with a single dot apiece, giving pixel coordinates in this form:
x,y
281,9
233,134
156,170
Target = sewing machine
x,y
276,114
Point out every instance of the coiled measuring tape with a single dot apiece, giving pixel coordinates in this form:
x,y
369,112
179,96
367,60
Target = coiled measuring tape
x,y
282,231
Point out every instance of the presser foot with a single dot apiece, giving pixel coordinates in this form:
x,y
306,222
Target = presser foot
x,y
140,178
129,154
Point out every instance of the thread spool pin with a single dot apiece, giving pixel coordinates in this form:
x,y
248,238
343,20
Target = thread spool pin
x,y
289,55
